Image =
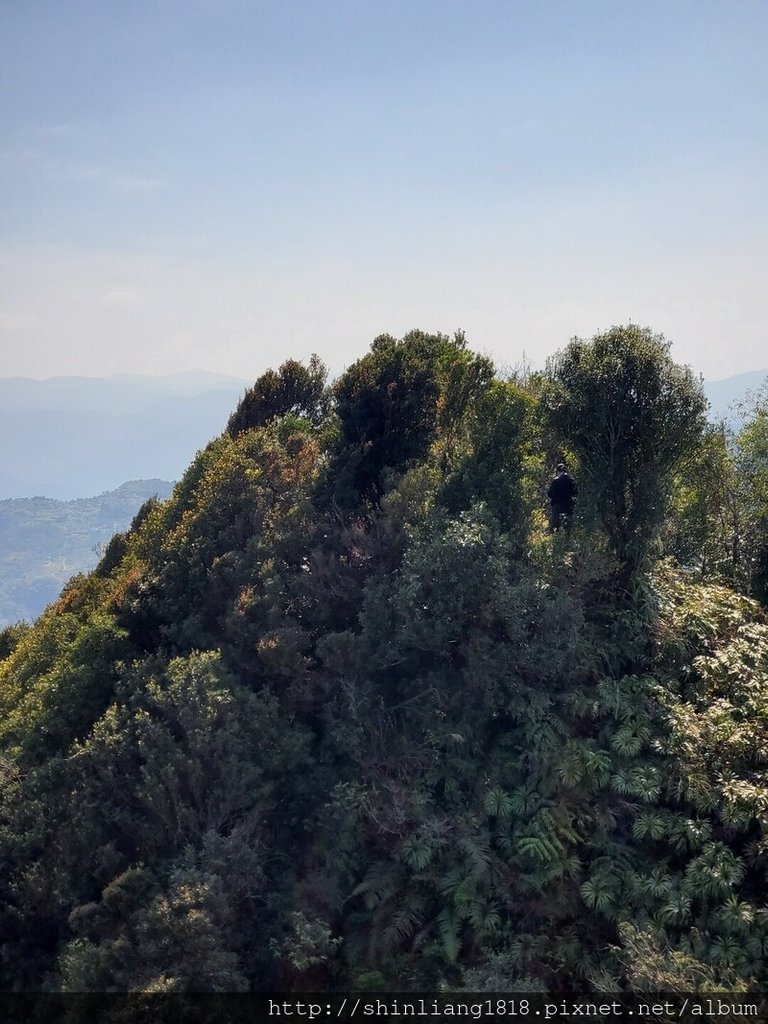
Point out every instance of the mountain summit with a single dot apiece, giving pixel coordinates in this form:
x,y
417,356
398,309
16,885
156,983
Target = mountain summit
x,y
343,713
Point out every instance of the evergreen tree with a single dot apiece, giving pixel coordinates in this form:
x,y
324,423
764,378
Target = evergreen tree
x,y
340,714
632,417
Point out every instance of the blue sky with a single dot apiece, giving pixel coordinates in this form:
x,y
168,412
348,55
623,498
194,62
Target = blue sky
x,y
225,183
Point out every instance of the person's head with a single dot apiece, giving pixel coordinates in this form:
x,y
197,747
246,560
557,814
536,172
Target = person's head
x,y
560,468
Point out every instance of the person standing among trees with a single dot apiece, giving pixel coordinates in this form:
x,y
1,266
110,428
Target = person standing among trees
x,y
562,498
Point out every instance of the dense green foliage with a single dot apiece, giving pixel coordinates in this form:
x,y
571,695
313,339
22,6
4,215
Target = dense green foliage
x,y
293,388
341,713
631,415
720,524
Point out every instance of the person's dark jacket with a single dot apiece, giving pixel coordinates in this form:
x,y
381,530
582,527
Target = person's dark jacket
x,y
562,493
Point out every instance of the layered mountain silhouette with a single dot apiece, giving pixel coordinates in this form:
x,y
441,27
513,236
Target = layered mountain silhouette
x,y
724,395
67,437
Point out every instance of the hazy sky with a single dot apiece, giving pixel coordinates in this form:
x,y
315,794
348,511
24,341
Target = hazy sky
x,y
224,183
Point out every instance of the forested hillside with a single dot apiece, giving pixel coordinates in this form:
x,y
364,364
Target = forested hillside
x,y
43,542
343,713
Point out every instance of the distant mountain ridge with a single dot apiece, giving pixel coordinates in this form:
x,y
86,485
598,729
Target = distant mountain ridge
x,y
723,394
117,394
43,542
64,437
187,381
68,436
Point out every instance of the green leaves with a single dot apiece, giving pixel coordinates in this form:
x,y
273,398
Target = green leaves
x,y
330,716
294,389
447,925
630,738
542,848
640,781
650,826
631,415
598,893
416,853
498,804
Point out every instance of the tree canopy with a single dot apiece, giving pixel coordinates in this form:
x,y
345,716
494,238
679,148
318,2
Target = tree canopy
x,y
632,416
294,388
342,714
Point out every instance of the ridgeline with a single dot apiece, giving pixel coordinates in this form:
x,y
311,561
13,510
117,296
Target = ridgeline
x,y
342,713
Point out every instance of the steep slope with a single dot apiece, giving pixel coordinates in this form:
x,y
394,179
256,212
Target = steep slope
x,y
340,713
